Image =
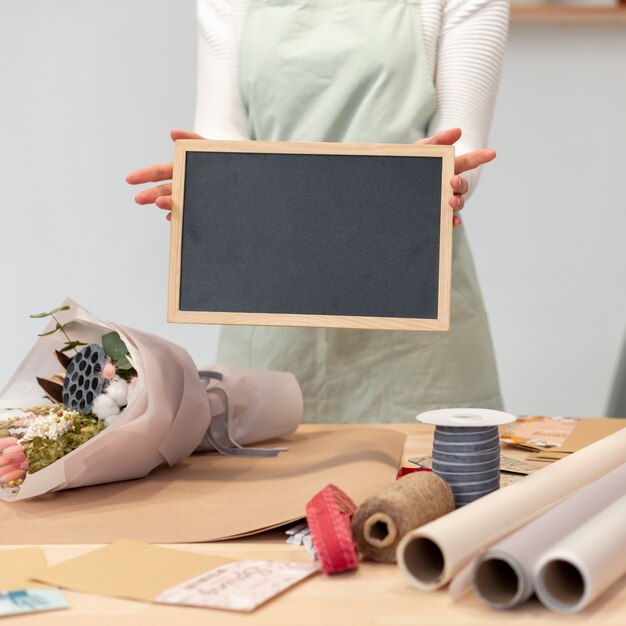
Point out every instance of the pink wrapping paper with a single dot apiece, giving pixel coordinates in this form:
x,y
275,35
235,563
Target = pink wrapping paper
x,y
169,416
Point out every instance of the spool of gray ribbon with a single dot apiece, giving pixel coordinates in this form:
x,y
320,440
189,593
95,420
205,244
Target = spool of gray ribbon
x,y
466,450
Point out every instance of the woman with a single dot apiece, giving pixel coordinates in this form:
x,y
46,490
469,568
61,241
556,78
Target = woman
x,y
388,71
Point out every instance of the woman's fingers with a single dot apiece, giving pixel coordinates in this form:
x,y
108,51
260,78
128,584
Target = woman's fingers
x,y
151,174
459,184
474,159
184,134
148,196
442,138
457,202
164,202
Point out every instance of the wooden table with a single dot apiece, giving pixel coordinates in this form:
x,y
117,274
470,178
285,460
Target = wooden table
x,y
375,594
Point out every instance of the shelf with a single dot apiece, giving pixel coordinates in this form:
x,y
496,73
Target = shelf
x,y
551,14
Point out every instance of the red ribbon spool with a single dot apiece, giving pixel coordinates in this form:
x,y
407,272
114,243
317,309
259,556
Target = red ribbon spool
x,y
329,514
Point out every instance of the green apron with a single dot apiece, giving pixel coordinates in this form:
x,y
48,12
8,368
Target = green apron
x,y
355,70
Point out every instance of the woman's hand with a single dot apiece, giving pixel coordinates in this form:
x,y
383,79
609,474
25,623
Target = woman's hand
x,y
161,195
463,163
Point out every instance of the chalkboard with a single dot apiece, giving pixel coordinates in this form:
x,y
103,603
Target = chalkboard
x,y
311,234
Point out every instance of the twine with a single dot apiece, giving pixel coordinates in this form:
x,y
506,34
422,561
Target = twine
x,y
382,520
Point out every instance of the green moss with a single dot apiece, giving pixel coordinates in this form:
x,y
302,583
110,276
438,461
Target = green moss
x,y
41,451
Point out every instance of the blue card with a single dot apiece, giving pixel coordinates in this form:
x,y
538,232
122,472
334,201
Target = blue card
x,y
31,601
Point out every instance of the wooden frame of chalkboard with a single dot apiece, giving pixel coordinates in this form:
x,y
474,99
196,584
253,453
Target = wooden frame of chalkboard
x,y
301,234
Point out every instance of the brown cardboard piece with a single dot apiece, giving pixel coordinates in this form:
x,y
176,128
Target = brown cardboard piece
x,y
590,430
586,432
208,497
128,569
16,567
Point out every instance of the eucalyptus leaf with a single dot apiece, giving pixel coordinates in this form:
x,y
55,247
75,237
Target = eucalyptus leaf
x,y
51,332
71,345
49,313
114,346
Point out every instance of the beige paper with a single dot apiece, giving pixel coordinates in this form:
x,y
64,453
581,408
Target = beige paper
x,y
431,555
128,569
502,576
583,565
208,497
168,418
16,567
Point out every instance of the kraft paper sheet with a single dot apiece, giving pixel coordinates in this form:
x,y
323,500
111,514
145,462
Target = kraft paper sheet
x,y
597,550
523,549
128,569
16,567
431,555
208,496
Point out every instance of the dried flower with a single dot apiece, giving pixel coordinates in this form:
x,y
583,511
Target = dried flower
x,y
109,370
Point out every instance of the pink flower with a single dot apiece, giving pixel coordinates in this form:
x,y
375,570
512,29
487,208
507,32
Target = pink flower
x,y
7,442
14,474
109,370
14,452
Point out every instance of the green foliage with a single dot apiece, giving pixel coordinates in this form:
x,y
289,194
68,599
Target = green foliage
x,y
69,344
116,349
42,452
51,313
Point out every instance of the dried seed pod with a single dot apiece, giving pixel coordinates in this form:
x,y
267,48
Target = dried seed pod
x,y
63,359
53,388
84,381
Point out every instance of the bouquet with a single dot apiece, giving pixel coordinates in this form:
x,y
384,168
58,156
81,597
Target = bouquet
x,y
96,402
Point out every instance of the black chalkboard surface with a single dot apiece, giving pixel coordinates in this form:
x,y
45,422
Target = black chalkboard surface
x,y
311,234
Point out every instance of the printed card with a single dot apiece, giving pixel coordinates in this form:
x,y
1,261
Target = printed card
x,y
238,586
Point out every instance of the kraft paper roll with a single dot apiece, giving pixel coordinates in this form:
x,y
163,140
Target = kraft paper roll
x,y
430,556
382,520
503,576
584,564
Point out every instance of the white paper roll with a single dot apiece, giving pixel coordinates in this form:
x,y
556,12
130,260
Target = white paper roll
x,y
429,556
503,576
585,563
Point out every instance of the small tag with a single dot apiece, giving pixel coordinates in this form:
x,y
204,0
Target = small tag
x,y
238,586
31,601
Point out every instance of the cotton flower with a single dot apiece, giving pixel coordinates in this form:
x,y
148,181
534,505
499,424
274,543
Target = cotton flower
x,y
105,408
133,389
118,391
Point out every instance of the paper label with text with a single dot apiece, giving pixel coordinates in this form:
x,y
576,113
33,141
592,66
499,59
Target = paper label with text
x,y
238,586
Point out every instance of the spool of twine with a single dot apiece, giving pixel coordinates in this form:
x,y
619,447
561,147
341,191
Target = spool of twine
x,y
468,459
382,520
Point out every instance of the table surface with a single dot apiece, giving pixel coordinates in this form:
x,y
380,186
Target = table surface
x,y
375,594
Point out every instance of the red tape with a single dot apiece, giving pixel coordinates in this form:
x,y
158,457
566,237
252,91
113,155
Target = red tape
x,y
403,471
328,514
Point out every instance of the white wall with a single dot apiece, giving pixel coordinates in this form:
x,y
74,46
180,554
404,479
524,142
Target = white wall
x,y
549,219
91,89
